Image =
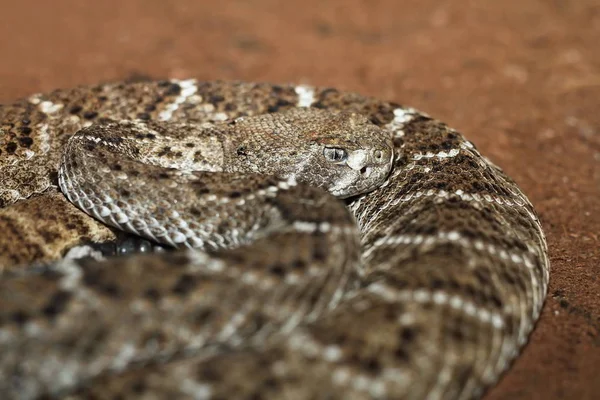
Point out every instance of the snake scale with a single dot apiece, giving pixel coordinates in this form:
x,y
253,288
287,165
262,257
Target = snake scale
x,y
433,299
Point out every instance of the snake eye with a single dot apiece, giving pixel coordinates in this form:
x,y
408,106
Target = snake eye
x,y
335,154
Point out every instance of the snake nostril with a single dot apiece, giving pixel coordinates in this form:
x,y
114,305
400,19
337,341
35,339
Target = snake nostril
x,y
364,170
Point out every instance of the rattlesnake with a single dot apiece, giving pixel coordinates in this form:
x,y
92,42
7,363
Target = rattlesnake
x,y
453,276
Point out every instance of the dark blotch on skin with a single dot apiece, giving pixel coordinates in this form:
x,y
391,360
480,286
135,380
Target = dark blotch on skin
x,y
115,140
457,334
173,90
93,278
496,301
185,284
373,366
277,270
401,354
299,264
208,373
26,141
152,294
408,334
75,110
19,317
11,147
164,151
329,91
90,114
198,156
215,99
195,212
57,304
271,383
320,251
203,315
436,283
280,103
111,289
138,387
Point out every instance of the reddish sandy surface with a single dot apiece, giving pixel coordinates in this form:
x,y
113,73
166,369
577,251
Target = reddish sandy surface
x,y
521,78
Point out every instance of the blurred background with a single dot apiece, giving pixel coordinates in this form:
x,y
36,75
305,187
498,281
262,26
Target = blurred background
x,y
520,78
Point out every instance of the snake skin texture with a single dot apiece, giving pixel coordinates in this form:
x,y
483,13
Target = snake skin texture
x,y
452,276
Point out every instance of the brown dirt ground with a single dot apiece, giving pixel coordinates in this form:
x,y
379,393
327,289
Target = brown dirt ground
x,y
521,78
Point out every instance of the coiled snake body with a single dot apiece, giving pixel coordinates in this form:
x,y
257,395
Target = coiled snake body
x,y
434,299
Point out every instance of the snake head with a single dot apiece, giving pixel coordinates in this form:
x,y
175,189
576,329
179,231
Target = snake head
x,y
341,152
347,154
